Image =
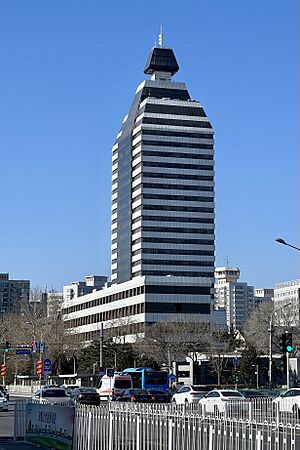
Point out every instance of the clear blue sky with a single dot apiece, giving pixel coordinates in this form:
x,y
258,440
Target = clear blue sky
x,y
69,70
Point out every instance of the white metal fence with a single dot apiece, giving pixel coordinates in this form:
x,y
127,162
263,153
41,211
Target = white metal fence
x,y
121,426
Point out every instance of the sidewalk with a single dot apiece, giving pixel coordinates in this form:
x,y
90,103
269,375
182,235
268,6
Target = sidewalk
x,y
9,444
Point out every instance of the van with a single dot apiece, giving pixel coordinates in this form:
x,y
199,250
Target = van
x,y
112,387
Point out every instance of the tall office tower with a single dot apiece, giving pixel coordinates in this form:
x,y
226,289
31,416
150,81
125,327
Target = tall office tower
x,y
163,181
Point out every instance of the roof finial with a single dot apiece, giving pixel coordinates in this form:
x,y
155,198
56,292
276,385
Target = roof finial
x,y
161,37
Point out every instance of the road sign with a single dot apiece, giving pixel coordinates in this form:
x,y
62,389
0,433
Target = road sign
x,y
23,351
110,372
172,377
101,371
47,366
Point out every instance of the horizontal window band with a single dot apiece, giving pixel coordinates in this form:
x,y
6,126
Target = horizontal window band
x,y
174,109
177,308
179,187
174,176
172,251
158,229
176,122
190,198
174,208
173,219
164,273
161,154
181,166
173,94
184,134
172,262
173,144
160,240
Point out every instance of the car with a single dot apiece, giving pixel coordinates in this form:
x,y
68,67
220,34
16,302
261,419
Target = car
x,y
289,401
188,393
136,396
4,391
160,396
113,387
72,391
220,400
87,396
3,402
54,396
252,393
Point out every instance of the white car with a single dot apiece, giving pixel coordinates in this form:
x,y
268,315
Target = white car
x,y
3,403
219,401
189,394
54,396
288,402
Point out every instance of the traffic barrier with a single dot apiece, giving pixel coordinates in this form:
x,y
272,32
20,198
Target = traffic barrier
x,y
138,426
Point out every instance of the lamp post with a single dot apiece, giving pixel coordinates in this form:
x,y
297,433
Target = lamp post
x,y
282,241
271,340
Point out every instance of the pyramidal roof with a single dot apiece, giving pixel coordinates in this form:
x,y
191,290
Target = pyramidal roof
x,y
161,60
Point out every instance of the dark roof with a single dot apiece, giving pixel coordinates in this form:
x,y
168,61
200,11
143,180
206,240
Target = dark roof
x,y
161,60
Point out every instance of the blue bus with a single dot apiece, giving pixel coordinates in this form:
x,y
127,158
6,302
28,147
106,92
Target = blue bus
x,y
147,378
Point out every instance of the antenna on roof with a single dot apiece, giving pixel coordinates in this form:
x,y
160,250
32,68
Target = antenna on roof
x,y
161,37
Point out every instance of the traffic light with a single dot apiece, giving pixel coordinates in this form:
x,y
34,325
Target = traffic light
x,y
6,347
289,342
39,367
3,370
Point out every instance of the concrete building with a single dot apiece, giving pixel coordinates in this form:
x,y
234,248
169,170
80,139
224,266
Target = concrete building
x,y
12,293
263,295
163,219
288,293
79,288
235,297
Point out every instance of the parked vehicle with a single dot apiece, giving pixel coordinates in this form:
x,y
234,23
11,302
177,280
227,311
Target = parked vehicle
x,y
217,401
289,401
135,395
189,394
4,391
159,396
252,393
55,396
87,396
113,387
3,402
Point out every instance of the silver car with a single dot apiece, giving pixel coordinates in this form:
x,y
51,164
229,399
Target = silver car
x,y
54,396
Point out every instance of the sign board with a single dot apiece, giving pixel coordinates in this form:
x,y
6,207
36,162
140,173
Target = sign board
x,y
172,377
237,361
47,366
101,371
50,425
23,351
110,372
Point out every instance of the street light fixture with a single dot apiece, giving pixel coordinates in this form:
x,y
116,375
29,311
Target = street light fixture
x,y
282,241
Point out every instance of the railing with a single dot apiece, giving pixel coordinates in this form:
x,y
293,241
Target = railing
x,y
126,426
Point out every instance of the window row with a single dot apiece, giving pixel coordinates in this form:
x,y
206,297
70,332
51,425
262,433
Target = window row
x,y
175,110
181,166
164,273
170,219
177,230
172,251
132,328
160,154
173,94
173,262
169,240
186,198
184,134
173,144
172,208
178,308
104,300
174,176
105,316
179,187
175,122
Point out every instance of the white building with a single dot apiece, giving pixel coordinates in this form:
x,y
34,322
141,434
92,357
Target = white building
x,y
288,293
235,297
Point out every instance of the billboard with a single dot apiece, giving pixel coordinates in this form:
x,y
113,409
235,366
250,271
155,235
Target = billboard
x,y
50,425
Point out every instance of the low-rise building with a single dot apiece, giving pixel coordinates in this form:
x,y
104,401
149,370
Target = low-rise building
x,y
287,301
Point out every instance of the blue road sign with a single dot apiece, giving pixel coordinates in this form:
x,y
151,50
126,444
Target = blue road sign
x,y
172,377
23,351
110,372
47,366
101,371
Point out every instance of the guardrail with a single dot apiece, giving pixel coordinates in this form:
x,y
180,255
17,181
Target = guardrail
x,y
129,426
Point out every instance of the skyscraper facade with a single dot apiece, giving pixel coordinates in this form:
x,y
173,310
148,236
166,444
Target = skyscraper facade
x,y
163,181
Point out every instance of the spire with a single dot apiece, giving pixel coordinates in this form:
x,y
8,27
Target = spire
x,y
161,37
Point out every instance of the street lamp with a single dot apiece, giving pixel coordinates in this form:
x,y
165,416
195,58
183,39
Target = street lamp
x,y
282,241
271,340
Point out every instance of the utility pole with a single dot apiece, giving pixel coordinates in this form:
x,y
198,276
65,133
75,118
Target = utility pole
x,y
101,339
